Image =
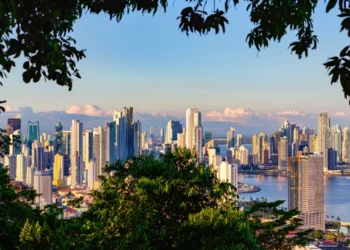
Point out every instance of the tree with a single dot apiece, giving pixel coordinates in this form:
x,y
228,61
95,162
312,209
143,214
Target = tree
x,y
15,209
338,219
40,30
318,234
167,203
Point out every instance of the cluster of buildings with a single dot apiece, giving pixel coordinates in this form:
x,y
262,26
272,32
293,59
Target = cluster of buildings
x,y
75,158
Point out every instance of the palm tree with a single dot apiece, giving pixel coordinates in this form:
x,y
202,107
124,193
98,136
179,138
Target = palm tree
x,y
338,219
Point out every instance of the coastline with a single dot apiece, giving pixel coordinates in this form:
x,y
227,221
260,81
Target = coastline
x,y
265,173
246,188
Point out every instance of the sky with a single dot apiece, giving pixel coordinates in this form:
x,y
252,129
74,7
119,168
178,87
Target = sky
x,y
148,63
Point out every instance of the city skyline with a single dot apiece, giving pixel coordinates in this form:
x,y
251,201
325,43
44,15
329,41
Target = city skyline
x,y
210,72
245,120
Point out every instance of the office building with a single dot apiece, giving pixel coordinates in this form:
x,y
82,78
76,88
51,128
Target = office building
x,y
66,142
262,144
151,133
283,153
37,156
43,187
313,143
323,133
306,189
58,170
87,146
15,123
335,140
58,138
228,173
76,139
172,129
194,132
346,145
208,136
10,163
91,174
230,138
32,133
22,162
239,140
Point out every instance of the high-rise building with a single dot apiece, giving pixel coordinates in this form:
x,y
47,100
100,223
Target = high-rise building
x,y
332,159
207,137
32,133
346,144
30,176
137,139
58,138
76,139
181,139
194,132
15,146
76,171
58,170
306,190
228,173
66,142
239,140
242,155
307,132
99,150
172,129
151,133
262,141
15,123
91,168
124,133
230,138
313,143
87,146
323,128
255,148
43,187
111,137
283,153
10,163
162,136
38,156
336,140
22,162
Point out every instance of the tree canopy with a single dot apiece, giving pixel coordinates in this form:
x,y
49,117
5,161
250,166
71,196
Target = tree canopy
x,y
41,30
147,203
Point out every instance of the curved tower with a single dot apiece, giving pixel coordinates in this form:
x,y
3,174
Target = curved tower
x,y
58,137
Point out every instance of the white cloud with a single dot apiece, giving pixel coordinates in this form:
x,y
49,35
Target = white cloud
x,y
16,109
292,113
91,110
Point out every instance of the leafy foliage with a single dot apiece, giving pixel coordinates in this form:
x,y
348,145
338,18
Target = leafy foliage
x,y
147,203
40,30
15,208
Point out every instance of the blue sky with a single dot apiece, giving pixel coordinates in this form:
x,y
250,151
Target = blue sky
x,y
146,62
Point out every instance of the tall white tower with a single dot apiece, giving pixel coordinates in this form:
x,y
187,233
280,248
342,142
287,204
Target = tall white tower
x,y
194,131
323,128
76,139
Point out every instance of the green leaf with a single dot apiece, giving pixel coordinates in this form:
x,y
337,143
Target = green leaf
x,y
331,4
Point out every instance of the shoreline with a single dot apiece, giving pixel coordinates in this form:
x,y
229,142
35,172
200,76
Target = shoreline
x,y
285,174
247,188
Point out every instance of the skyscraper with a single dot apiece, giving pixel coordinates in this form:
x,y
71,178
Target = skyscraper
x,y
313,143
22,163
172,129
283,153
66,142
137,139
76,139
10,163
37,156
228,173
239,140
323,126
255,148
151,133
262,141
162,136
15,123
43,186
87,146
58,170
32,133
346,145
335,140
230,138
194,131
305,189
58,138
124,133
